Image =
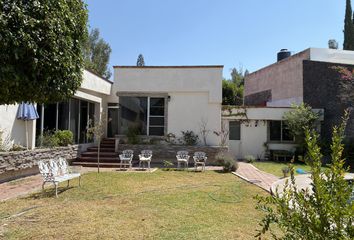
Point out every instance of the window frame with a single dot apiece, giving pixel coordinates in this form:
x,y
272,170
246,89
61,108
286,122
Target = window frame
x,y
239,132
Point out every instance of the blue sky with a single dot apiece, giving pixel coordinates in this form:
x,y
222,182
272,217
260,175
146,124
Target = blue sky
x,y
232,33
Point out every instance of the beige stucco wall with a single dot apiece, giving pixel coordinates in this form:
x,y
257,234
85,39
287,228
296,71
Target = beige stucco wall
x,y
284,78
195,94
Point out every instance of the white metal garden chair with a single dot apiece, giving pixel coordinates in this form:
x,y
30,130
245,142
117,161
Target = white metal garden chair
x,y
126,158
182,158
145,157
200,159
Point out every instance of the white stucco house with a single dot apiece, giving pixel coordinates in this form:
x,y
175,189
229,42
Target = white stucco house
x,y
157,100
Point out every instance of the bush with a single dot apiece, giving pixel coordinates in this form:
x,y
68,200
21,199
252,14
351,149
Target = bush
x,y
64,137
227,161
133,135
325,210
48,140
189,138
167,165
250,159
285,171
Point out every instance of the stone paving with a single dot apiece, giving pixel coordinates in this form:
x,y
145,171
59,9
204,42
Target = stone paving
x,y
253,175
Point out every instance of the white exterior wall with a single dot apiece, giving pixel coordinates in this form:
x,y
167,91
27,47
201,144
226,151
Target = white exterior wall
x,y
253,137
16,128
332,55
93,88
195,94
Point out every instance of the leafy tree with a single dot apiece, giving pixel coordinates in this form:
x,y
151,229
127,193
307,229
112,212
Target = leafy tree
x,y
324,211
41,42
332,44
140,62
232,90
231,94
97,54
348,43
300,118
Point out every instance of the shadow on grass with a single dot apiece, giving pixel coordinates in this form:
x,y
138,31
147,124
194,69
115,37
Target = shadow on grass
x,y
47,193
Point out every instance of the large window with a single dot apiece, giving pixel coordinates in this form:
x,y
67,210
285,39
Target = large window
x,y
279,132
235,130
72,115
146,115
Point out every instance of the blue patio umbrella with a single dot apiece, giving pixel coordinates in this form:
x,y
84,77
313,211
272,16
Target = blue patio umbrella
x,y
27,112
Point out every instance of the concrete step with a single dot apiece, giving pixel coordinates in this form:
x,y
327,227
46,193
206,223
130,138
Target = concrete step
x,y
104,149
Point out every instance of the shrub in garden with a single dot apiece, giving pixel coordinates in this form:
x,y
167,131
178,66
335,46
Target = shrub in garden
x,y
326,211
250,158
133,135
227,161
64,137
189,138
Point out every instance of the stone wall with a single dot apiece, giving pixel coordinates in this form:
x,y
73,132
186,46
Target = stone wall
x,y
163,152
22,163
322,90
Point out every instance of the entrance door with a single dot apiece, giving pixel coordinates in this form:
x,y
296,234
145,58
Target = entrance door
x,y
112,125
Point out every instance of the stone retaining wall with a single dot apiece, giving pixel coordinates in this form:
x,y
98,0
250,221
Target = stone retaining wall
x,y
163,152
22,163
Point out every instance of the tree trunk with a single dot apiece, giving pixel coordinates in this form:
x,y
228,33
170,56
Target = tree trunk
x,y
98,156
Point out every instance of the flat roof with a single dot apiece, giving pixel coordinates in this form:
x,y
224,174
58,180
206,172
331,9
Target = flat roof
x,y
196,66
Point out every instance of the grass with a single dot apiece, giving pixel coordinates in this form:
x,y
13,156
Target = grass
x,y
159,205
275,168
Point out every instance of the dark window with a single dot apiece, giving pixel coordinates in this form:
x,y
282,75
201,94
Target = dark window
x,y
63,115
279,131
275,130
235,130
133,114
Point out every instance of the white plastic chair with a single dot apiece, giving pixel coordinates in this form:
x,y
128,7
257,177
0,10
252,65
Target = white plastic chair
x,y
200,159
182,158
145,157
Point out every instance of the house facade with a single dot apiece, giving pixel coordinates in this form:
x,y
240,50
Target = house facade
x,y
154,101
310,77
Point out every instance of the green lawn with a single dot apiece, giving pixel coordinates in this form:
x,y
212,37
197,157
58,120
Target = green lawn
x,y
159,205
275,168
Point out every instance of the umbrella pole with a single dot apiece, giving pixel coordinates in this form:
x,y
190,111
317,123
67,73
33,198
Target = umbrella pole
x,y
26,134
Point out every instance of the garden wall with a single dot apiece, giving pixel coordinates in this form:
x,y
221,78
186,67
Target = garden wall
x,y
168,152
23,163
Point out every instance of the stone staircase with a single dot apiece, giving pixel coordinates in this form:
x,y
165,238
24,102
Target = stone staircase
x,y
108,156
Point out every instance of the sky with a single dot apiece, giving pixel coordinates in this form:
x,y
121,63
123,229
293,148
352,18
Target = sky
x,y
233,33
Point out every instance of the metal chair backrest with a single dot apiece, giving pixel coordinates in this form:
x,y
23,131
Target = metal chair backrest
x,y
199,156
182,154
128,153
146,153
63,165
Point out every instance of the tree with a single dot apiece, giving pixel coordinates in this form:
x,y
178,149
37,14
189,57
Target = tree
x,y
300,118
96,130
140,62
41,57
332,44
325,210
238,76
231,94
348,43
97,53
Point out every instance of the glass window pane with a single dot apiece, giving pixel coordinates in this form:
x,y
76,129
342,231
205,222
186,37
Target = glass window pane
x,y
235,130
112,128
275,130
74,117
157,121
157,102
156,131
157,111
286,133
50,117
63,115
133,114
